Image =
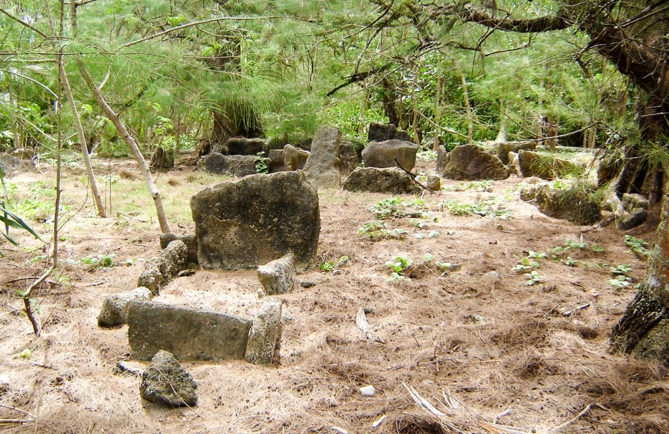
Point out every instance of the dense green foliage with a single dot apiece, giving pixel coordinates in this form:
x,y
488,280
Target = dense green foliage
x,y
267,67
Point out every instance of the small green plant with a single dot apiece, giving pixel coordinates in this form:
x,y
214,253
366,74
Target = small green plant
x,y
397,267
620,269
328,266
487,208
480,186
526,264
637,246
99,261
391,207
261,166
569,262
376,230
595,248
536,255
619,282
569,244
533,278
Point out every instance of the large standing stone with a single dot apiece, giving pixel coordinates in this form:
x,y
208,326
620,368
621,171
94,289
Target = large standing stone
x,y
348,158
114,310
255,220
381,133
265,335
160,270
294,158
388,180
276,163
470,162
189,334
12,165
166,383
278,276
322,166
162,159
234,165
544,166
384,154
442,158
243,146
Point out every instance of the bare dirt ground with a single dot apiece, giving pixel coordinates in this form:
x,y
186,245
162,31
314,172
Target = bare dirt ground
x,y
480,347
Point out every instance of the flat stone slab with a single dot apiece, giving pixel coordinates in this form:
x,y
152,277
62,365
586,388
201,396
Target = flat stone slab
x,y
187,333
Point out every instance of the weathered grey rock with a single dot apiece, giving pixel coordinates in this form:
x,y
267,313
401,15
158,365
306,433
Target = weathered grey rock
x,y
514,163
433,183
234,165
276,163
384,154
575,204
635,200
294,158
470,162
265,335
381,133
609,167
189,334
630,219
322,166
278,276
23,153
114,310
243,146
166,383
348,158
189,240
255,220
160,270
162,159
389,180
10,166
544,166
442,158
502,149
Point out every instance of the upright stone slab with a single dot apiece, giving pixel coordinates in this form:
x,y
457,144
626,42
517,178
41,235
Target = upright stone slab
x,y
348,158
294,158
189,334
322,167
244,146
257,219
278,276
384,154
470,162
234,165
380,133
265,335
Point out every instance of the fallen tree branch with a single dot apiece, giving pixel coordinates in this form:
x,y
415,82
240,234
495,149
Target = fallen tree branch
x,y
413,176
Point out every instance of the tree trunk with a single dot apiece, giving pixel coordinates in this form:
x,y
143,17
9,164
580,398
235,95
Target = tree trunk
x,y
82,141
643,331
388,99
123,132
470,116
